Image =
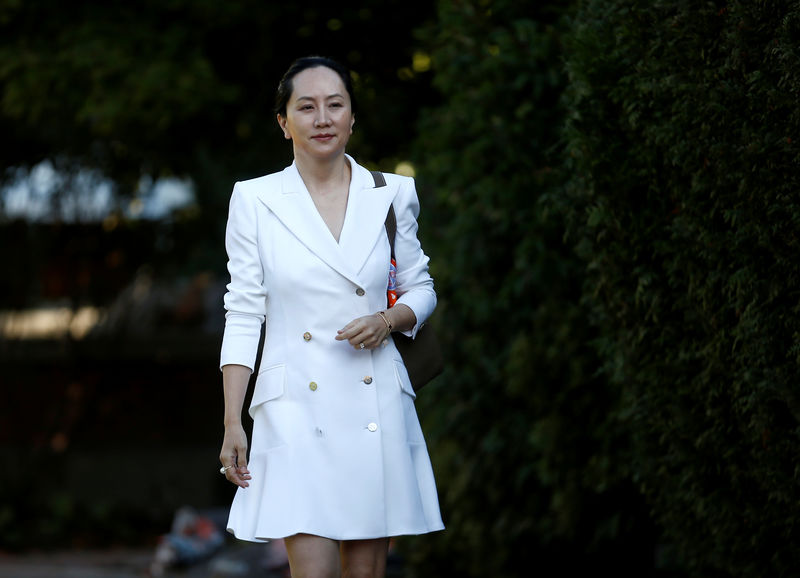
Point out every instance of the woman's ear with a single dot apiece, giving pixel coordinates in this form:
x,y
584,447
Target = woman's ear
x,y
282,124
352,122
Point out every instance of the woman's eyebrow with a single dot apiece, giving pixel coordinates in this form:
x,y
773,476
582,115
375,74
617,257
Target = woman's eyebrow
x,y
336,95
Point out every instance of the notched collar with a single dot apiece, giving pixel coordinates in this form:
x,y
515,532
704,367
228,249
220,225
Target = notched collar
x,y
367,207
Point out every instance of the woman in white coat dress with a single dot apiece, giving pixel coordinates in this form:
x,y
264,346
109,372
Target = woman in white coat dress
x,y
338,462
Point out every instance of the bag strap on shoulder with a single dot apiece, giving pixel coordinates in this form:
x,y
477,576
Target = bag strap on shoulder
x,y
391,220
380,180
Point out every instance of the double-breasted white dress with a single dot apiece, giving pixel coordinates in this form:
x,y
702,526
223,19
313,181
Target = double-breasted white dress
x,y
336,449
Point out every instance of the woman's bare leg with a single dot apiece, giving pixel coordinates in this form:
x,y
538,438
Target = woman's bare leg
x,y
364,558
313,556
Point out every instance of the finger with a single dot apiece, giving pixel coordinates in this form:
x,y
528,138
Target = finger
x,y
238,474
240,479
241,458
228,472
241,472
369,337
350,333
235,468
346,331
354,338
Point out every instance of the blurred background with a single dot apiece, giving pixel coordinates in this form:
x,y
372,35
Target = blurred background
x,y
610,201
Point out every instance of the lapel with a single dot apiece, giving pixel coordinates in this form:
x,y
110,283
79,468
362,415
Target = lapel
x,y
363,222
366,214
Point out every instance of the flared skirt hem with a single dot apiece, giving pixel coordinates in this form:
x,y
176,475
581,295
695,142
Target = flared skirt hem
x,y
334,536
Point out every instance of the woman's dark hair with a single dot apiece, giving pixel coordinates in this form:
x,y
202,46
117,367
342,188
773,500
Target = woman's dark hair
x,y
286,86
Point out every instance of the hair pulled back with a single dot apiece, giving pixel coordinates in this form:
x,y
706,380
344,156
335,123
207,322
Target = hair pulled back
x,y
286,85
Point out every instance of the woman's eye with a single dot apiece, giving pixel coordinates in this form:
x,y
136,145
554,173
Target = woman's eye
x,y
336,104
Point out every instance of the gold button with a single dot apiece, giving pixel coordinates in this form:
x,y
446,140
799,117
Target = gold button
x,y
307,336
368,380
312,386
360,292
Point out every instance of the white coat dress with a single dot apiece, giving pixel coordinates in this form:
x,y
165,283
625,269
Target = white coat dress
x,y
336,449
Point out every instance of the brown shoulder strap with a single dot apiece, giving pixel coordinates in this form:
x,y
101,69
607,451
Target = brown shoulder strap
x,y
379,179
391,220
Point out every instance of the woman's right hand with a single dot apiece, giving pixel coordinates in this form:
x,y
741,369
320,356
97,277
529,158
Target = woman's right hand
x,y
233,455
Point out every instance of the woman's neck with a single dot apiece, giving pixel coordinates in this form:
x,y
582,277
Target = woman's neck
x,y
323,176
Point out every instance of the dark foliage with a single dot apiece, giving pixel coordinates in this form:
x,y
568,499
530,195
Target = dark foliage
x,y
683,144
531,462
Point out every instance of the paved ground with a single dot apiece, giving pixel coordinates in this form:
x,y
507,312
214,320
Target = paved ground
x,y
236,561
239,560
111,564
204,532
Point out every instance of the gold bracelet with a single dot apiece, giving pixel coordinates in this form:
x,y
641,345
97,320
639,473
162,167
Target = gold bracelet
x,y
385,320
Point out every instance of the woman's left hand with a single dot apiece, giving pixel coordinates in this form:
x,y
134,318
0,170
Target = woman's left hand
x,y
366,332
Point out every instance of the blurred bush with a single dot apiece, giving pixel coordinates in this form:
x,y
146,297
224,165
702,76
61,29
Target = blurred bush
x,y
683,203
532,464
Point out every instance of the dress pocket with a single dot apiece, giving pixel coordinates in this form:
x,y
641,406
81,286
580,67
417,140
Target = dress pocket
x,y
403,379
270,384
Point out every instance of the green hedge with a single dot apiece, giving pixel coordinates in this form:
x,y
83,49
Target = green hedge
x,y
524,438
685,205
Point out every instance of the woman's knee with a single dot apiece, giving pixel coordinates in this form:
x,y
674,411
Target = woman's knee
x,y
364,558
313,556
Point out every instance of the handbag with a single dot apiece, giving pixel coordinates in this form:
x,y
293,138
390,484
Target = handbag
x,y
422,355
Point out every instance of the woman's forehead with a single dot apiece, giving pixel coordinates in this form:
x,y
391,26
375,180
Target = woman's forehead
x,y
317,82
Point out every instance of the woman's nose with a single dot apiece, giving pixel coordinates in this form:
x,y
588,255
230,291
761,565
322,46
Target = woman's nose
x,y
322,118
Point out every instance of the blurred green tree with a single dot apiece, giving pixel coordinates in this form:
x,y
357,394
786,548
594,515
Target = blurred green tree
x,y
128,93
139,91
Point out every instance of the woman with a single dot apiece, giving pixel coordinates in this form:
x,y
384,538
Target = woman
x,y
338,461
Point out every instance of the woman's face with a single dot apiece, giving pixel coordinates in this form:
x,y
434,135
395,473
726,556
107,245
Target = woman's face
x,y
319,118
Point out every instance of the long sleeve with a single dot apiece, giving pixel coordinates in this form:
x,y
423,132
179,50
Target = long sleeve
x,y
414,283
245,301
